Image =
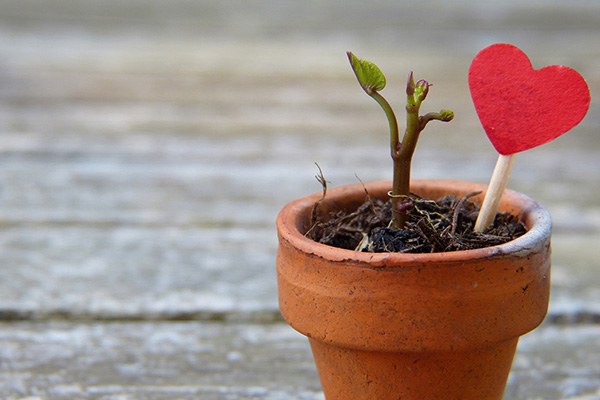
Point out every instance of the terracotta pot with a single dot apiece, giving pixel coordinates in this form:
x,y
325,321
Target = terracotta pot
x,y
413,326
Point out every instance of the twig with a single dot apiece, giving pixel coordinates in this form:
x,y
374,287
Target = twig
x,y
313,215
457,209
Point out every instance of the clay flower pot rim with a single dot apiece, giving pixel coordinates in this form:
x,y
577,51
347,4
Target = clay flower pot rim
x,y
536,217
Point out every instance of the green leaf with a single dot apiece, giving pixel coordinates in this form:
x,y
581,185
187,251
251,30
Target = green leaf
x,y
368,74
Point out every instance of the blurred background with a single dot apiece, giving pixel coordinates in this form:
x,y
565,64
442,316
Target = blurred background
x,y
146,147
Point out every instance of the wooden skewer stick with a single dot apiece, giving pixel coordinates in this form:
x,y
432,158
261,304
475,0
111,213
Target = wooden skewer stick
x,y
494,192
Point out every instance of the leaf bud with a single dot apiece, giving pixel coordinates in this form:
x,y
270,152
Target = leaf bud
x,y
421,89
447,115
410,84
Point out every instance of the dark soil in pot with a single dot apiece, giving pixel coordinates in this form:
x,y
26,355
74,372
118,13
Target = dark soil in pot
x,y
442,225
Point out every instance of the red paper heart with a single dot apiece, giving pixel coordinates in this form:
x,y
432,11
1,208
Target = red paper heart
x,y
520,107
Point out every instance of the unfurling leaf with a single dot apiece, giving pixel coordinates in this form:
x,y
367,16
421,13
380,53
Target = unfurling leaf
x,y
368,74
447,115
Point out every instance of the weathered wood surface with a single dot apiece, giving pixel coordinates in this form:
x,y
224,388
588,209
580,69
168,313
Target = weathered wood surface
x,y
146,148
61,360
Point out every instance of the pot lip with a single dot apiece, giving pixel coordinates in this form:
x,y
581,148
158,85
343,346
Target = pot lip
x,y
534,240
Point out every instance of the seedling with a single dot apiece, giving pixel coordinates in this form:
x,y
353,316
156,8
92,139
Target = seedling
x,y
372,80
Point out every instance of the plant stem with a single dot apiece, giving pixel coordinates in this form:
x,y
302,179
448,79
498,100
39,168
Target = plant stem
x,y
394,134
402,153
